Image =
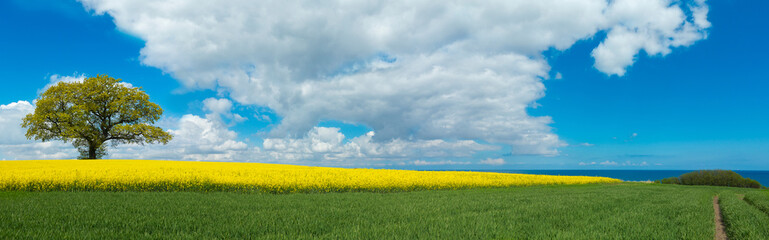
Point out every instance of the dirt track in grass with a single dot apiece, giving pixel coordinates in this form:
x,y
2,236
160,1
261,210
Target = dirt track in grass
x,y
720,233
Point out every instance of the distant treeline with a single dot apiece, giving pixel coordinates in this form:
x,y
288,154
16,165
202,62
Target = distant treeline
x,y
726,178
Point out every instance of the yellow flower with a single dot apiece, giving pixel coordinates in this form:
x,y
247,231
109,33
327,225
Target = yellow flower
x,y
151,175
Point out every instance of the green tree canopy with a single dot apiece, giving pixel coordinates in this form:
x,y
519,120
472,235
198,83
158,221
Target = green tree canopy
x,y
94,112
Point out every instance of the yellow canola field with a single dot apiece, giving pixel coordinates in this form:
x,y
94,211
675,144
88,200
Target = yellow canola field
x,y
152,175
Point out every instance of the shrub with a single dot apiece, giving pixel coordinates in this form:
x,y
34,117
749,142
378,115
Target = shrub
x,y
670,180
726,178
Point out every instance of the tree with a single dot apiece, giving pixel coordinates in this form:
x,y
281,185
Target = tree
x,y
94,112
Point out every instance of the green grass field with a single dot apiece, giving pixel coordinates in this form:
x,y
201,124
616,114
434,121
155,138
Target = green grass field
x,y
611,211
742,219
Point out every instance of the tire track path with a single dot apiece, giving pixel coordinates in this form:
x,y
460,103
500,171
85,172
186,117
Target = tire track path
x,y
720,233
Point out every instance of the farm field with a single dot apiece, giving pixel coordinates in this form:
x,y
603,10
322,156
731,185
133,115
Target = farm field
x,y
746,215
593,211
152,175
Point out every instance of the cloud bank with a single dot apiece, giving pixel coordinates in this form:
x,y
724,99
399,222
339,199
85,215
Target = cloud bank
x,y
430,80
207,138
407,69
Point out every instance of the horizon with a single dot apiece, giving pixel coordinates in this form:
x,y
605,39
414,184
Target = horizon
x,y
652,85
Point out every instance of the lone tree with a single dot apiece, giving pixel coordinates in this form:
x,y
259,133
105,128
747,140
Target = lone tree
x,y
93,112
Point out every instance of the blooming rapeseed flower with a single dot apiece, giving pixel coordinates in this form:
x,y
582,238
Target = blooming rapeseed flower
x,y
151,175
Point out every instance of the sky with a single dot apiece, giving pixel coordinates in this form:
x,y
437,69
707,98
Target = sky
x,y
554,84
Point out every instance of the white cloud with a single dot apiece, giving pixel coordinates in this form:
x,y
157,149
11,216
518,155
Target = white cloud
x,y
195,138
652,26
608,163
494,161
614,163
262,118
38,150
700,13
443,162
205,135
407,69
219,106
10,121
198,138
327,144
587,144
56,79
13,143
641,164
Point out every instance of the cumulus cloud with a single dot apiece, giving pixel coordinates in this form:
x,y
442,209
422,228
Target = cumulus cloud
x,y
38,150
652,26
407,69
221,107
13,143
10,120
195,138
327,144
199,138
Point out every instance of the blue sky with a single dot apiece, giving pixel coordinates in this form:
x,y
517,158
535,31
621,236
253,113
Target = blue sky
x,y
698,104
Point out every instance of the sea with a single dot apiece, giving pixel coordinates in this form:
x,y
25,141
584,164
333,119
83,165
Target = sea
x,y
633,175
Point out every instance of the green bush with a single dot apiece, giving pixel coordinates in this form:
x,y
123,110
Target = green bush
x,y
670,180
726,178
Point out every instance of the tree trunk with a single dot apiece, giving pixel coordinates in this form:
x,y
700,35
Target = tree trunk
x,y
92,151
